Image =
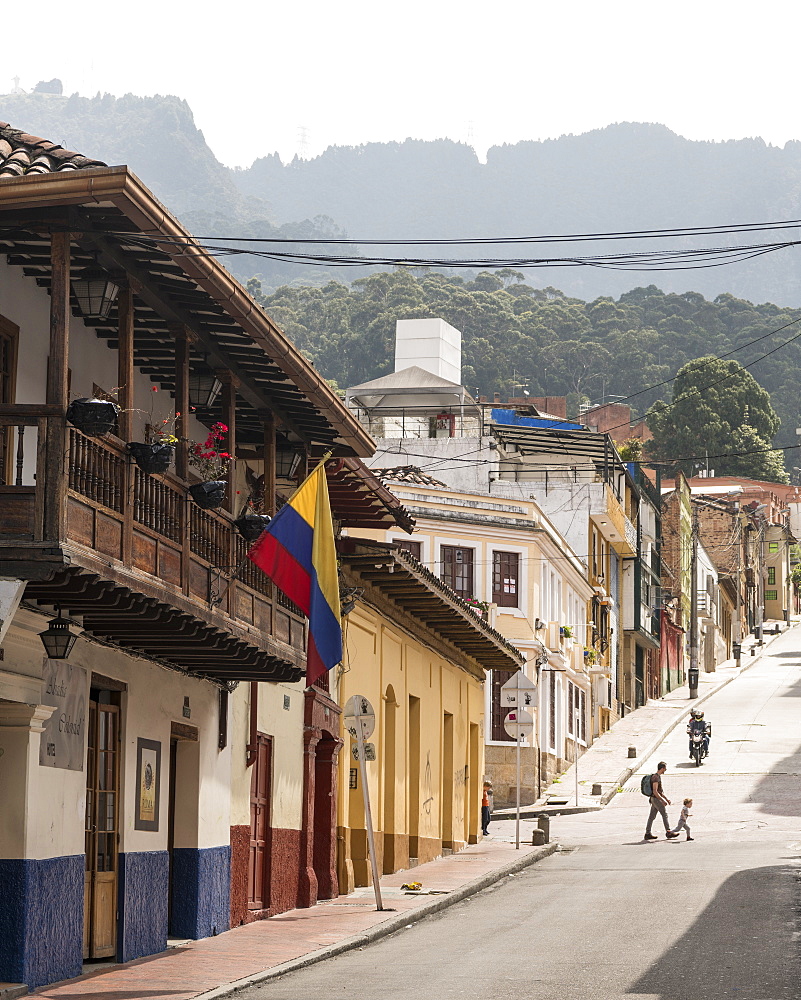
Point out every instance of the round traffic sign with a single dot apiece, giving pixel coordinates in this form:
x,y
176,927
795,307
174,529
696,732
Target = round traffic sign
x,y
359,710
519,723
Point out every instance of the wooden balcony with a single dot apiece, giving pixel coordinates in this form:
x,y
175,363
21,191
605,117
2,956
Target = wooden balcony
x,y
144,546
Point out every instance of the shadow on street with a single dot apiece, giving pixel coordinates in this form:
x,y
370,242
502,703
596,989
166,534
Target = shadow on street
x,y
742,945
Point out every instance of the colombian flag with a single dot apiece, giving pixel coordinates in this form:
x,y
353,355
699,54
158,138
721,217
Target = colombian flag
x,y
297,552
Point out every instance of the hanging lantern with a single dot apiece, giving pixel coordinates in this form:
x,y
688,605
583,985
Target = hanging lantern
x,y
204,388
96,293
286,464
57,638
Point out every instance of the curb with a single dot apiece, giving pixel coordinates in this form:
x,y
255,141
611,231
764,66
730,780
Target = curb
x,y
384,929
607,797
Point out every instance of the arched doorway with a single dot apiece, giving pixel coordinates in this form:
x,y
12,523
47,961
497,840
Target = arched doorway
x,y
325,816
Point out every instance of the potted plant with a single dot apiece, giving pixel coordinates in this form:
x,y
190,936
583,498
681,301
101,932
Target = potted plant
x,y
590,655
93,417
212,464
566,631
250,525
156,454
481,608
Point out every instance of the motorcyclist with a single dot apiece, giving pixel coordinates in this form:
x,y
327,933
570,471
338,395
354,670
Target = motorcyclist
x,y
698,724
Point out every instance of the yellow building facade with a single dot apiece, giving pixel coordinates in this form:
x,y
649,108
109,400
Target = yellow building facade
x,y
419,655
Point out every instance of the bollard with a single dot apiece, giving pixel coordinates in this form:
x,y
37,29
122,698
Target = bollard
x,y
544,824
538,837
632,751
753,651
596,788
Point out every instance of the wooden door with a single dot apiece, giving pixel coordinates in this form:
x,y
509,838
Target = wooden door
x,y
259,863
101,832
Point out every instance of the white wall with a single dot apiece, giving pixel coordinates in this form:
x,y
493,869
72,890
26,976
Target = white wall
x,y
154,699
430,344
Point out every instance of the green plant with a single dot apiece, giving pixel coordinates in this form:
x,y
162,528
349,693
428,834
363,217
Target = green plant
x,y
567,631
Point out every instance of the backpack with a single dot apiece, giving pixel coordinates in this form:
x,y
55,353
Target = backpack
x,y
645,785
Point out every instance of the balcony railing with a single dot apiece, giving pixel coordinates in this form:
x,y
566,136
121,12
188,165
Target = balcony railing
x,y
145,522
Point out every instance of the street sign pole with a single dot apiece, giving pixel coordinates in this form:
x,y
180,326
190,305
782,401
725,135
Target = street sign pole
x,y
368,816
517,813
517,694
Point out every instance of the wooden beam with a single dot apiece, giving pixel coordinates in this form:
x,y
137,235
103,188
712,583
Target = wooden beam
x,y
125,362
110,256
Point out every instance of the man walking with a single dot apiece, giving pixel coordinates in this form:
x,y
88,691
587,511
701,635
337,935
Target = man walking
x,y
658,804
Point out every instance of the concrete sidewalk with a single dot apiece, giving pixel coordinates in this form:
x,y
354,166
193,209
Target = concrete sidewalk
x,y
218,966
607,763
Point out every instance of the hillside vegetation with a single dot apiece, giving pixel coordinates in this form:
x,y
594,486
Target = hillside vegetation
x,y
516,336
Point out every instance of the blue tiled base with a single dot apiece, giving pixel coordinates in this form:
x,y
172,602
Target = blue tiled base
x,y
201,891
41,920
143,889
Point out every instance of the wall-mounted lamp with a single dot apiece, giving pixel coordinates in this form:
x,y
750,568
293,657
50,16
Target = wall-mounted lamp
x,y
96,292
57,638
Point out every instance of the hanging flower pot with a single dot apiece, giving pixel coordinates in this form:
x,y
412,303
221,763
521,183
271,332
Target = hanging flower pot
x,y
250,526
152,458
208,495
93,417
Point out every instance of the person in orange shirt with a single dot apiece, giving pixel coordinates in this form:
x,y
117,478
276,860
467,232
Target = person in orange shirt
x,y
486,807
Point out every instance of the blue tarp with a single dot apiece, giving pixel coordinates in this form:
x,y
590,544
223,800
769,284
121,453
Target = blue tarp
x,y
512,417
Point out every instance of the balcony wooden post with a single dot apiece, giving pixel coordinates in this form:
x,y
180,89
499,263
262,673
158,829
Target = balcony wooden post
x,y
269,463
125,362
58,387
229,443
126,397
182,344
183,341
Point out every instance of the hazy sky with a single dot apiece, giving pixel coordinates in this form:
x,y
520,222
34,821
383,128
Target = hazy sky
x,y
355,71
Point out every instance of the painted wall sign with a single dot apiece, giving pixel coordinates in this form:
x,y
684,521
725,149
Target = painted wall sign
x,y
65,686
148,784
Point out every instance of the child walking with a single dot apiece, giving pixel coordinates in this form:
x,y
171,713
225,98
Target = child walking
x,y
682,823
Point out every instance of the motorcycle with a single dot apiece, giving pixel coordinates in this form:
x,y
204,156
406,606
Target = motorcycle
x,y
698,746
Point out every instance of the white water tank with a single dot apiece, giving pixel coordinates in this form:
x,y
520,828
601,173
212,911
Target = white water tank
x,y
431,344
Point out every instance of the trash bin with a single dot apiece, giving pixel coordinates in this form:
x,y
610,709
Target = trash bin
x,y
737,651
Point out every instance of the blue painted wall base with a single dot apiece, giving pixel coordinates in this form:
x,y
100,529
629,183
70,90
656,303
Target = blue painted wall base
x,y
201,891
41,920
143,891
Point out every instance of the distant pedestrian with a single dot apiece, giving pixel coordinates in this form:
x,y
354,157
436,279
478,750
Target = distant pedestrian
x,y
685,815
659,802
486,807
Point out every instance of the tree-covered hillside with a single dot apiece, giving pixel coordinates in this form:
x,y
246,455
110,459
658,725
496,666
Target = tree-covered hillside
x,y
515,335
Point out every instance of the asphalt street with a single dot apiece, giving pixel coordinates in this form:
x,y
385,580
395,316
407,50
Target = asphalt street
x,y
612,916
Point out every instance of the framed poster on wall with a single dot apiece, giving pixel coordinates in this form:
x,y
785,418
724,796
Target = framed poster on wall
x,y
148,784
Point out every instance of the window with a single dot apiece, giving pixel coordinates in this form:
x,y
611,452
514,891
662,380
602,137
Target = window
x,y
499,711
772,575
457,569
505,579
771,595
413,548
773,547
